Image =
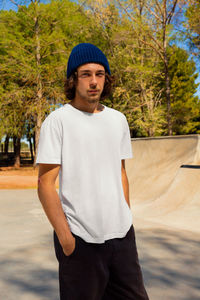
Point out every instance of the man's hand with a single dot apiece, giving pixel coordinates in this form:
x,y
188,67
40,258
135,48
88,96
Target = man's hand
x,y
69,247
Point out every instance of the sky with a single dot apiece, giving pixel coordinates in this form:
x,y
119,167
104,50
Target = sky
x,y
7,4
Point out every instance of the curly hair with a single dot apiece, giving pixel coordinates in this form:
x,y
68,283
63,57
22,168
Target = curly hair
x,y
70,86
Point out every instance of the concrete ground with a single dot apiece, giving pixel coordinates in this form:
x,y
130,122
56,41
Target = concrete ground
x,y
28,268
165,202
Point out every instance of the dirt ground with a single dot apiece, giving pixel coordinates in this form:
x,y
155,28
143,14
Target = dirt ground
x,y
23,178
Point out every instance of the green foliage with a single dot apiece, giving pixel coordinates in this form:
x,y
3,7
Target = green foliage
x,y
135,68
185,106
61,25
193,27
133,45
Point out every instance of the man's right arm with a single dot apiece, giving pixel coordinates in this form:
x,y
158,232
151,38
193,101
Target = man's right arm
x,y
51,203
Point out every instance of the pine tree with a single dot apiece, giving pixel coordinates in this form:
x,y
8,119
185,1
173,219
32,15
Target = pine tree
x,y
185,106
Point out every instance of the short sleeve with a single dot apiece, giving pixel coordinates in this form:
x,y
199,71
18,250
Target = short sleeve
x,y
126,147
50,142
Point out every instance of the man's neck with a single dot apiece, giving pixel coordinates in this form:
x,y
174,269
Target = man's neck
x,y
90,107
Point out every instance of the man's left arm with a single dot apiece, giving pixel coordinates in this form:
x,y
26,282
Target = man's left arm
x,y
125,182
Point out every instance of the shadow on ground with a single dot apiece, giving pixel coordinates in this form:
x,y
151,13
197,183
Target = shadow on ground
x,y
169,259
171,263
28,268
29,273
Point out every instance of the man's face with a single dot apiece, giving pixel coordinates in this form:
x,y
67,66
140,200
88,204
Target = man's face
x,y
90,83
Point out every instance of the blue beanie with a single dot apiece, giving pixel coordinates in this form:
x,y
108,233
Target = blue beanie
x,y
86,53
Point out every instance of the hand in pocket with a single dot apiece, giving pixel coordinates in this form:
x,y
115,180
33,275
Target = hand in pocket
x,y
69,248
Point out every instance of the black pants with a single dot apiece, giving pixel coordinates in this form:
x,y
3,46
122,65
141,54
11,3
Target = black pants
x,y
107,271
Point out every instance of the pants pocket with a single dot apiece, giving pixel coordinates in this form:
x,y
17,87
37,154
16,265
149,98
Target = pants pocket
x,y
60,255
75,249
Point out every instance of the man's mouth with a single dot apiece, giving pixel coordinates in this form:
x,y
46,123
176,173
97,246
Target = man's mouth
x,y
93,91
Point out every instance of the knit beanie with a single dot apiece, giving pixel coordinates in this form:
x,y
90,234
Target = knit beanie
x,y
86,53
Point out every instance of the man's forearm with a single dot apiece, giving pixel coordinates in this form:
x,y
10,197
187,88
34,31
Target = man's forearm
x,y
50,201
125,185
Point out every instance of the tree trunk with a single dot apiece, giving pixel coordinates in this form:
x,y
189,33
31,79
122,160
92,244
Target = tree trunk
x,y
14,144
17,147
167,79
168,98
34,142
30,143
6,144
39,83
31,149
37,135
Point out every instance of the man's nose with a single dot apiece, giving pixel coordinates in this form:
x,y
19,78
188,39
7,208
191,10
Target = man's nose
x,y
93,80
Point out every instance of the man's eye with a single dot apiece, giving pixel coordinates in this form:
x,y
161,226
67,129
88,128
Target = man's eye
x,y
100,74
85,74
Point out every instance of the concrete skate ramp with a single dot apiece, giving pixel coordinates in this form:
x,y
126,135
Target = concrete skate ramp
x,y
160,189
179,206
156,162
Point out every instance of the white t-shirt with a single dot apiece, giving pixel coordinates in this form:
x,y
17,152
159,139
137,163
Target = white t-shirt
x,y
89,147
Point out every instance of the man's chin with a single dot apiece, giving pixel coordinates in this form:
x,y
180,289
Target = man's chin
x,y
93,99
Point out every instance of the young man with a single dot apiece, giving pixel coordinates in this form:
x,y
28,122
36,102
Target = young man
x,y
87,143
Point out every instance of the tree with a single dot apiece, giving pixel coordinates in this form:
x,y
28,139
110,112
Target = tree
x,y
134,66
156,26
193,26
13,94
185,106
36,41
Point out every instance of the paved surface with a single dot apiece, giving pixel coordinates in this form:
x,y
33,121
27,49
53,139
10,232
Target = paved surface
x,y
27,263
165,201
169,258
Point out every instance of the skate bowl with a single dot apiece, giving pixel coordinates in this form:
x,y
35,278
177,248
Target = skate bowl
x,y
164,177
